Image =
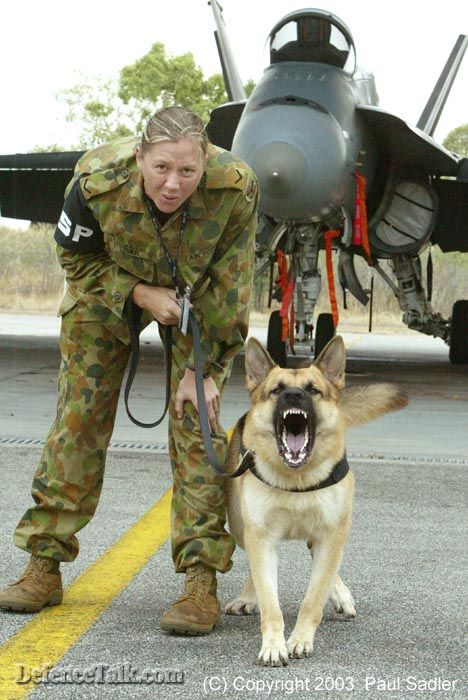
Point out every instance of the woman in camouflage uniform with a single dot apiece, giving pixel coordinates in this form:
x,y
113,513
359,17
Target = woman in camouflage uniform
x,y
139,218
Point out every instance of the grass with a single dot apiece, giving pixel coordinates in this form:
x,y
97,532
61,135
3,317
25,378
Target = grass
x,y
32,281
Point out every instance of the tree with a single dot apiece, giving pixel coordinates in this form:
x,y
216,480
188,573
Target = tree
x,y
97,108
157,80
113,108
457,140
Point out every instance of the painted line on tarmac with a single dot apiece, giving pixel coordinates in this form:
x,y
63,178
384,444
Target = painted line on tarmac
x,y
52,632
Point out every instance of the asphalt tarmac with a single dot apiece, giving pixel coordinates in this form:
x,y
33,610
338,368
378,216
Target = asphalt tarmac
x,y
405,562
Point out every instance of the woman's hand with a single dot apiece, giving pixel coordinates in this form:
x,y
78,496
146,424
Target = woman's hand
x,y
161,302
187,392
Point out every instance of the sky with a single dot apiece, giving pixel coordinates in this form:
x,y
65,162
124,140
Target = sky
x,y
52,45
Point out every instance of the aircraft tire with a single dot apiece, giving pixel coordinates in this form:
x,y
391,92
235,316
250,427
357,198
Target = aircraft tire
x,y
458,353
275,346
324,332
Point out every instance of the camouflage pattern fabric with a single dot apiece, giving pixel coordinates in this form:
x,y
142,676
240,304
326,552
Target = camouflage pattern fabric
x,y
217,260
68,481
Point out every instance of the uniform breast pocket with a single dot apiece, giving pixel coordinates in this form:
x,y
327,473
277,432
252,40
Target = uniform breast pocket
x,y
134,257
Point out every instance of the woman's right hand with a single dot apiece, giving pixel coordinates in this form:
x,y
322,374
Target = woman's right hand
x,y
161,302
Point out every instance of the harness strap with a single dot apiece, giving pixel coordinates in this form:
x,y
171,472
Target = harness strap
x,y
338,473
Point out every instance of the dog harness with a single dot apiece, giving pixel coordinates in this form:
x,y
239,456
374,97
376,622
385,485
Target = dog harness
x,y
247,463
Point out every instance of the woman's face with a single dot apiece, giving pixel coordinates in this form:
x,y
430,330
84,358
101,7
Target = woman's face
x,y
171,171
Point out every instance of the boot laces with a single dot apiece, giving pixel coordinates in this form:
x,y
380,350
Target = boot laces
x,y
198,583
34,572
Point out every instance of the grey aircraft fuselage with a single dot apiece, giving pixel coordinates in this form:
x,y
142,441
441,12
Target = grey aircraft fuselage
x,y
328,158
302,135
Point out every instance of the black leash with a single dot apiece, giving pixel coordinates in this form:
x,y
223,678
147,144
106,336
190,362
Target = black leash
x,y
133,314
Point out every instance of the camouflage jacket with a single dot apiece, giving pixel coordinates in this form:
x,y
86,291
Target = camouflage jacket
x,y
216,256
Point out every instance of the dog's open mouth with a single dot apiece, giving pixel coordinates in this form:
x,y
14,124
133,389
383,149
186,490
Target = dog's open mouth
x,y
295,436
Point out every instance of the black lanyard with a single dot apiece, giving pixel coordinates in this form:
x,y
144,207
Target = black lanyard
x,y
173,264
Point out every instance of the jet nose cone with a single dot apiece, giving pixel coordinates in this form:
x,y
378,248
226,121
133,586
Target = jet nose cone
x,y
280,168
299,155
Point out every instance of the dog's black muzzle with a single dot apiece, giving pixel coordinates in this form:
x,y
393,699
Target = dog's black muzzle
x,y
294,422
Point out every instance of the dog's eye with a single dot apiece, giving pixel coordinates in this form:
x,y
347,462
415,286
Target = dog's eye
x,y
278,389
311,389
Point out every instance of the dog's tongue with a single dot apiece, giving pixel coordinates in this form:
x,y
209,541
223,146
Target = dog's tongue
x,y
295,442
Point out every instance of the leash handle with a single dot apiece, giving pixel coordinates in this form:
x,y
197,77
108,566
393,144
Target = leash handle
x,y
133,314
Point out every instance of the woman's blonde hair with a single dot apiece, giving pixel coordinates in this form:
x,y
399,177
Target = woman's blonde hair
x,y
172,124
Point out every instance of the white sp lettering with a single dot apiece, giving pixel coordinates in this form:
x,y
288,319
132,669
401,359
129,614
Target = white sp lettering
x,y
81,231
64,224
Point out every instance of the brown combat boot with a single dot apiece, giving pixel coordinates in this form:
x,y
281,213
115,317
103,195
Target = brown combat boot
x,y
39,585
197,611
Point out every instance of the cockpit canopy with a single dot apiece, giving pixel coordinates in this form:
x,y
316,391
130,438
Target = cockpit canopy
x,y
314,36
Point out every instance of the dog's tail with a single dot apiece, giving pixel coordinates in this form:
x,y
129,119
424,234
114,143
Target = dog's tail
x,y
361,404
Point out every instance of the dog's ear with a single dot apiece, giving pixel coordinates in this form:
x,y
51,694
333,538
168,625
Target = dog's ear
x,y
258,363
332,361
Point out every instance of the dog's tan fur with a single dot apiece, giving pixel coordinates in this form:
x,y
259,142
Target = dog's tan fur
x,y
261,515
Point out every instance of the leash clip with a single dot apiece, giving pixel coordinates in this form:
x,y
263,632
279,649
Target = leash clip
x,y
185,310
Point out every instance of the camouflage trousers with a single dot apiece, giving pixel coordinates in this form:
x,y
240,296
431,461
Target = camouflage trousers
x,y
68,480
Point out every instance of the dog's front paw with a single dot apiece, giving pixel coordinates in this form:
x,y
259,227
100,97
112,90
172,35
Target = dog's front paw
x,y
300,645
241,606
273,653
342,599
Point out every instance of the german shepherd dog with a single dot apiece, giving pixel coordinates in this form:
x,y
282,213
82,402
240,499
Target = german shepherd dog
x,y
298,485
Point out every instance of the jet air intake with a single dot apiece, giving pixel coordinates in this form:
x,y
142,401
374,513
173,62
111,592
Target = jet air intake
x,y
298,152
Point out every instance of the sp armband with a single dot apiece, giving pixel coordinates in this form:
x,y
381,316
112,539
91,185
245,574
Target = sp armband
x,y
77,229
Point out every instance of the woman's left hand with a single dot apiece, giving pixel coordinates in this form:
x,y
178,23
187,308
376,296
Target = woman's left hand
x,y
187,392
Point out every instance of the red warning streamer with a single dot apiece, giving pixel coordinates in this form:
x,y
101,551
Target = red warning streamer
x,y
328,237
360,234
286,284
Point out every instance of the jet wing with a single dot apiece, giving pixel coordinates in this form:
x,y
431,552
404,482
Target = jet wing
x,y
414,154
409,148
32,185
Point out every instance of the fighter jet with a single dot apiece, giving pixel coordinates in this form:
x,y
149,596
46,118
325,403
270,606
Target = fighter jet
x,y
337,172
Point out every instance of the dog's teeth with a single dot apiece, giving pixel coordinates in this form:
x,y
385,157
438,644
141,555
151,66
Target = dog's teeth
x,y
294,411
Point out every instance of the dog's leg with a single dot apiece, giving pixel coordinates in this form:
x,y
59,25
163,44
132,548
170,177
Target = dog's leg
x,y
340,595
327,555
246,602
342,598
263,562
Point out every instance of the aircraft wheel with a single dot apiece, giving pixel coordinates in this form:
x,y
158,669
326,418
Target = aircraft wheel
x,y
275,346
324,332
458,353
